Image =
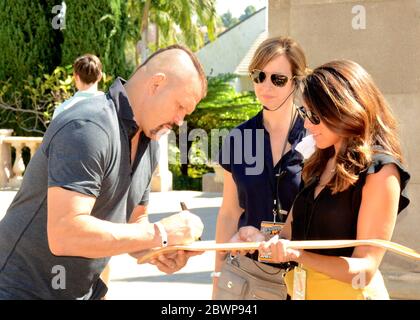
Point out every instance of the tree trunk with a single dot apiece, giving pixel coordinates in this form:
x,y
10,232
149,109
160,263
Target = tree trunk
x,y
157,37
141,47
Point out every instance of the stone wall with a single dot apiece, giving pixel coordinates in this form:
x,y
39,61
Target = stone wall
x,y
387,44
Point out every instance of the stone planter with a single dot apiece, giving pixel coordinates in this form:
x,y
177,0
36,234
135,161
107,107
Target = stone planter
x,y
213,182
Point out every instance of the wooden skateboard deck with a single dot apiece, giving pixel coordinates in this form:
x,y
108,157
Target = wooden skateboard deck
x,y
317,244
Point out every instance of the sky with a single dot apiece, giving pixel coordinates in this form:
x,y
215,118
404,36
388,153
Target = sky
x,y
237,7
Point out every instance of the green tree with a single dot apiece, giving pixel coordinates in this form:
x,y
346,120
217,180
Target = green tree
x,y
222,108
228,20
27,40
98,27
247,12
175,21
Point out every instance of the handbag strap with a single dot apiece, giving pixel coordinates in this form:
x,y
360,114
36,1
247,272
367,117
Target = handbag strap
x,y
266,272
235,260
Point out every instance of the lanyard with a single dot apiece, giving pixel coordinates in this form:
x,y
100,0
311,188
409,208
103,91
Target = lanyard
x,y
277,207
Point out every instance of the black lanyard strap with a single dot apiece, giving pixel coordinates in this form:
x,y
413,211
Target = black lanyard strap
x,y
277,209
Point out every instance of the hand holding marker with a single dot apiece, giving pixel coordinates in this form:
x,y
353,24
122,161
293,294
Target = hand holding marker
x,y
185,208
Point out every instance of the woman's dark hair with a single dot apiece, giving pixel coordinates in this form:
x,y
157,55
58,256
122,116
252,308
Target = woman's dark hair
x,y
349,103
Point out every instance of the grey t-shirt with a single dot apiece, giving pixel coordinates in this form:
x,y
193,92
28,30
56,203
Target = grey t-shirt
x,y
87,150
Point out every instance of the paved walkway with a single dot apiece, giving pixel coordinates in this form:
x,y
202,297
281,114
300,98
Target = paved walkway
x,y
145,282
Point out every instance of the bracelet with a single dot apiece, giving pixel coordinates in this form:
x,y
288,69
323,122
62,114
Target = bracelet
x,y
215,274
163,234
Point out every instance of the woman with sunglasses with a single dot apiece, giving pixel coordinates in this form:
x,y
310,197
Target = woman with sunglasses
x,y
256,199
354,187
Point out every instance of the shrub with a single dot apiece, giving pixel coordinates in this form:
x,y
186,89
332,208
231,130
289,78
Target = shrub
x,y
223,108
29,111
27,41
97,27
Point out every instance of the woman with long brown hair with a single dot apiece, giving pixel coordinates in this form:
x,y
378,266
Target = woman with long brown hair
x,y
354,186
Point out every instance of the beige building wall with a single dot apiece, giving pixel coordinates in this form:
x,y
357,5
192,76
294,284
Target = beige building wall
x,y
224,54
389,48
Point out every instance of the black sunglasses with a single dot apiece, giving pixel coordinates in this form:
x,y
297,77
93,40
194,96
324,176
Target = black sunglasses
x,y
259,76
312,117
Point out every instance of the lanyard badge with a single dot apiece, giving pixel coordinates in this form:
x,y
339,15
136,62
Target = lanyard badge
x,y
272,228
299,283
269,229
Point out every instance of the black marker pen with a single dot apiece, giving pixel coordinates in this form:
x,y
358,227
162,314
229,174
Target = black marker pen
x,y
184,208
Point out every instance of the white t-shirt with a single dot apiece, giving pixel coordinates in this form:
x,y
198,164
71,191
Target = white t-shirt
x,y
78,96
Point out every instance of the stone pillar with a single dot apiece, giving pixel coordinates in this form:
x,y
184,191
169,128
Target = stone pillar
x,y
18,166
213,182
162,177
5,158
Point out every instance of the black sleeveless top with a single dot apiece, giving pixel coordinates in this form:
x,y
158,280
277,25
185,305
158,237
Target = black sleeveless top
x,y
334,216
